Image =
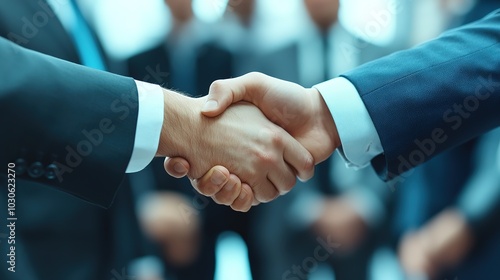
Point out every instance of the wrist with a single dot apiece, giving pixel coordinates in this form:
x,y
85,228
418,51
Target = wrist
x,y
325,117
180,120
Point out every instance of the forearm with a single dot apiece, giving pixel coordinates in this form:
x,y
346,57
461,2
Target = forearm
x,y
55,112
445,92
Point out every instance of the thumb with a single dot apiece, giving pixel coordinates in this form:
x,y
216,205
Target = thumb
x,y
223,93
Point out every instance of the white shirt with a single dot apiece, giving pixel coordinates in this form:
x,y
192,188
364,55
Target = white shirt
x,y
149,124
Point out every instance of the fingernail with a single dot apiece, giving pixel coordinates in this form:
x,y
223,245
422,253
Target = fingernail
x,y
210,105
179,168
218,178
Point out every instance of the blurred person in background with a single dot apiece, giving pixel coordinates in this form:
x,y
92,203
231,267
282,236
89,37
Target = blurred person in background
x,y
429,190
182,224
255,28
189,59
462,238
61,236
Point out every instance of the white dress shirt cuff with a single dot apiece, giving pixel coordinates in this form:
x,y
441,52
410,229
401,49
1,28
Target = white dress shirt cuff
x,y
149,124
359,138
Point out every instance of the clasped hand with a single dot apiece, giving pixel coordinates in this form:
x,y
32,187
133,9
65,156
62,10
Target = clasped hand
x,y
240,155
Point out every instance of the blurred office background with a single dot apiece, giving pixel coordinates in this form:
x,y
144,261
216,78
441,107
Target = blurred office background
x,y
439,222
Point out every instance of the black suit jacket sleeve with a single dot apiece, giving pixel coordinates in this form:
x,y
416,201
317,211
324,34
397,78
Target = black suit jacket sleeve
x,y
65,125
434,96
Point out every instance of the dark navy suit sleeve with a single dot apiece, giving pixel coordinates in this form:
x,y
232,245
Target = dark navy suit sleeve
x,y
65,125
434,96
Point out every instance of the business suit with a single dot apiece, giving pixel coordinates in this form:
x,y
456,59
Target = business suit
x,y
420,86
68,126
46,104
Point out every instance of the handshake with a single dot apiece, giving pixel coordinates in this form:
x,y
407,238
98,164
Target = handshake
x,y
248,140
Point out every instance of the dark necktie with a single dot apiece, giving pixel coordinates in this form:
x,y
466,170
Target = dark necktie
x,y
326,55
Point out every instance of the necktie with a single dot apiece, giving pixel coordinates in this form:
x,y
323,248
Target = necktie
x,y
326,55
86,43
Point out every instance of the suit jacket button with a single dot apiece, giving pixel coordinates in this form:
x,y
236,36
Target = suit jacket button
x,y
51,171
36,170
21,166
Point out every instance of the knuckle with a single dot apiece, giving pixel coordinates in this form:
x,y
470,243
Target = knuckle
x,y
275,194
271,133
309,163
240,207
265,158
289,183
272,141
252,174
255,75
268,197
221,199
216,199
276,137
257,190
207,189
217,86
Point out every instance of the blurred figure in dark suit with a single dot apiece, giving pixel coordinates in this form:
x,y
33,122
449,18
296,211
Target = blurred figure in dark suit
x,y
190,47
60,236
430,189
182,224
461,239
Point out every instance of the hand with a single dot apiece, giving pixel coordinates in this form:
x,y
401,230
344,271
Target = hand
x,y
439,245
169,219
223,187
340,220
259,152
301,112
